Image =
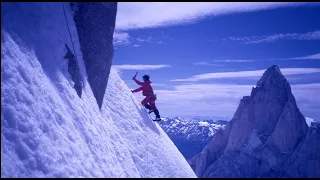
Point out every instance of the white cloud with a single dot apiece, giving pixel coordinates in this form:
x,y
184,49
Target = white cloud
x,y
120,68
198,91
149,39
222,61
308,57
123,38
315,35
206,64
140,40
200,99
223,99
246,74
139,67
309,92
135,15
120,38
308,98
233,60
312,57
159,84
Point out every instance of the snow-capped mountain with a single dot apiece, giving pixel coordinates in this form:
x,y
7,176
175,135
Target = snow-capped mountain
x,y
190,135
199,118
58,117
309,121
267,137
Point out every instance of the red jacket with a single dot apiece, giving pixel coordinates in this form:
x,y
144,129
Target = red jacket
x,y
145,88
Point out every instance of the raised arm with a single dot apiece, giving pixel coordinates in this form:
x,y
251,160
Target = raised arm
x,y
137,90
135,80
138,82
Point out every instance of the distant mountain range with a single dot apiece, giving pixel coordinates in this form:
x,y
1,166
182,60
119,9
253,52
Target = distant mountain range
x,y
191,134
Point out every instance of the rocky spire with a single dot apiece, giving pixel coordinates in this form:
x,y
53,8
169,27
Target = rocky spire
x,y
265,129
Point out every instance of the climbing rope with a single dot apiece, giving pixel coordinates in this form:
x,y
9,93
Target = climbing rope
x,y
21,15
74,51
67,26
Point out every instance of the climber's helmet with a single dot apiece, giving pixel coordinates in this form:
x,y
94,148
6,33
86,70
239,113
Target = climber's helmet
x,y
145,77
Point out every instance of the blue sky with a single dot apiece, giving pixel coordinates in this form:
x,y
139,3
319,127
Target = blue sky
x,y
203,57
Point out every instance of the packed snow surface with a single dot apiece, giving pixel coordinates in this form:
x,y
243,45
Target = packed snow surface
x,y
48,131
309,121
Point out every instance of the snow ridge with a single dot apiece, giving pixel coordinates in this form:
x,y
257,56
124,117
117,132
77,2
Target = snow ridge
x,y
48,130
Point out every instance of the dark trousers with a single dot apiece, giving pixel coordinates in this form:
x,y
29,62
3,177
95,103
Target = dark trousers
x,y
156,112
149,100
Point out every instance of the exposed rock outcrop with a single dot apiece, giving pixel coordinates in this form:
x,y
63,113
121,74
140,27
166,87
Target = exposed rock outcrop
x,y
305,160
266,131
95,22
74,70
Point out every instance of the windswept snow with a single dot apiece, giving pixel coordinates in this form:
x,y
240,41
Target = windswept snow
x,y
48,131
203,123
309,121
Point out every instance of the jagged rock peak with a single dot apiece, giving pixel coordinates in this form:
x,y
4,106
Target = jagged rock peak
x,y
272,76
272,70
272,84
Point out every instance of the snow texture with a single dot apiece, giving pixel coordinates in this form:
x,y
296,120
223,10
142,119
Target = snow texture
x,y
309,121
47,130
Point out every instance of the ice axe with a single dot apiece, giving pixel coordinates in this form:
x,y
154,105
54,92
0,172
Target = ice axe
x,y
135,75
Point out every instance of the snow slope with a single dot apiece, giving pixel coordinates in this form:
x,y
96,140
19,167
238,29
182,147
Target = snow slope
x,y
309,121
47,130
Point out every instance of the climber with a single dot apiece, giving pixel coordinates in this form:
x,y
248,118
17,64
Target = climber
x,y
149,101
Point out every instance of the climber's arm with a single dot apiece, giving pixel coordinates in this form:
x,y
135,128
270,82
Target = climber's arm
x,y
137,90
138,82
